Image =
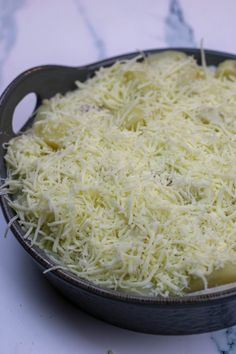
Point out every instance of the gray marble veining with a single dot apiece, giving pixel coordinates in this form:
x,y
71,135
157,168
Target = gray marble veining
x,y
97,40
225,341
8,31
177,30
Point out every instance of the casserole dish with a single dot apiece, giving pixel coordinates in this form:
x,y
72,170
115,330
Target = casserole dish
x,y
188,314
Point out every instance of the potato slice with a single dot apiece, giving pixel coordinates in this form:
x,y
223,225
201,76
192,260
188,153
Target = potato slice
x,y
170,55
226,69
218,277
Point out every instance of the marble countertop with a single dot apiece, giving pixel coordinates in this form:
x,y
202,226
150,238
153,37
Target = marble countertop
x,y
35,319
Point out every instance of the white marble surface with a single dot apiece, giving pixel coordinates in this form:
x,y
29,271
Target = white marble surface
x,y
34,318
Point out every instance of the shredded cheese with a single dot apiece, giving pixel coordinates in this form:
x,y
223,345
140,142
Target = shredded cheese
x,y
129,181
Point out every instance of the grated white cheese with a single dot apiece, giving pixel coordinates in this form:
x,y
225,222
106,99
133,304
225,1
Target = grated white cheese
x,y
130,179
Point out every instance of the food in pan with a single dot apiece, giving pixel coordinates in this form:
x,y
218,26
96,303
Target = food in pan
x,y
129,181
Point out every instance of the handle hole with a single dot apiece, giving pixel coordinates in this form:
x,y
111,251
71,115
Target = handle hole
x,y
23,111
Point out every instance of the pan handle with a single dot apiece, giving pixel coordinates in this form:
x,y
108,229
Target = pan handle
x,y
44,81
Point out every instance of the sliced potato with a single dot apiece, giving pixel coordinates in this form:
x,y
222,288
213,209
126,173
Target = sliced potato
x,y
226,69
218,277
172,55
